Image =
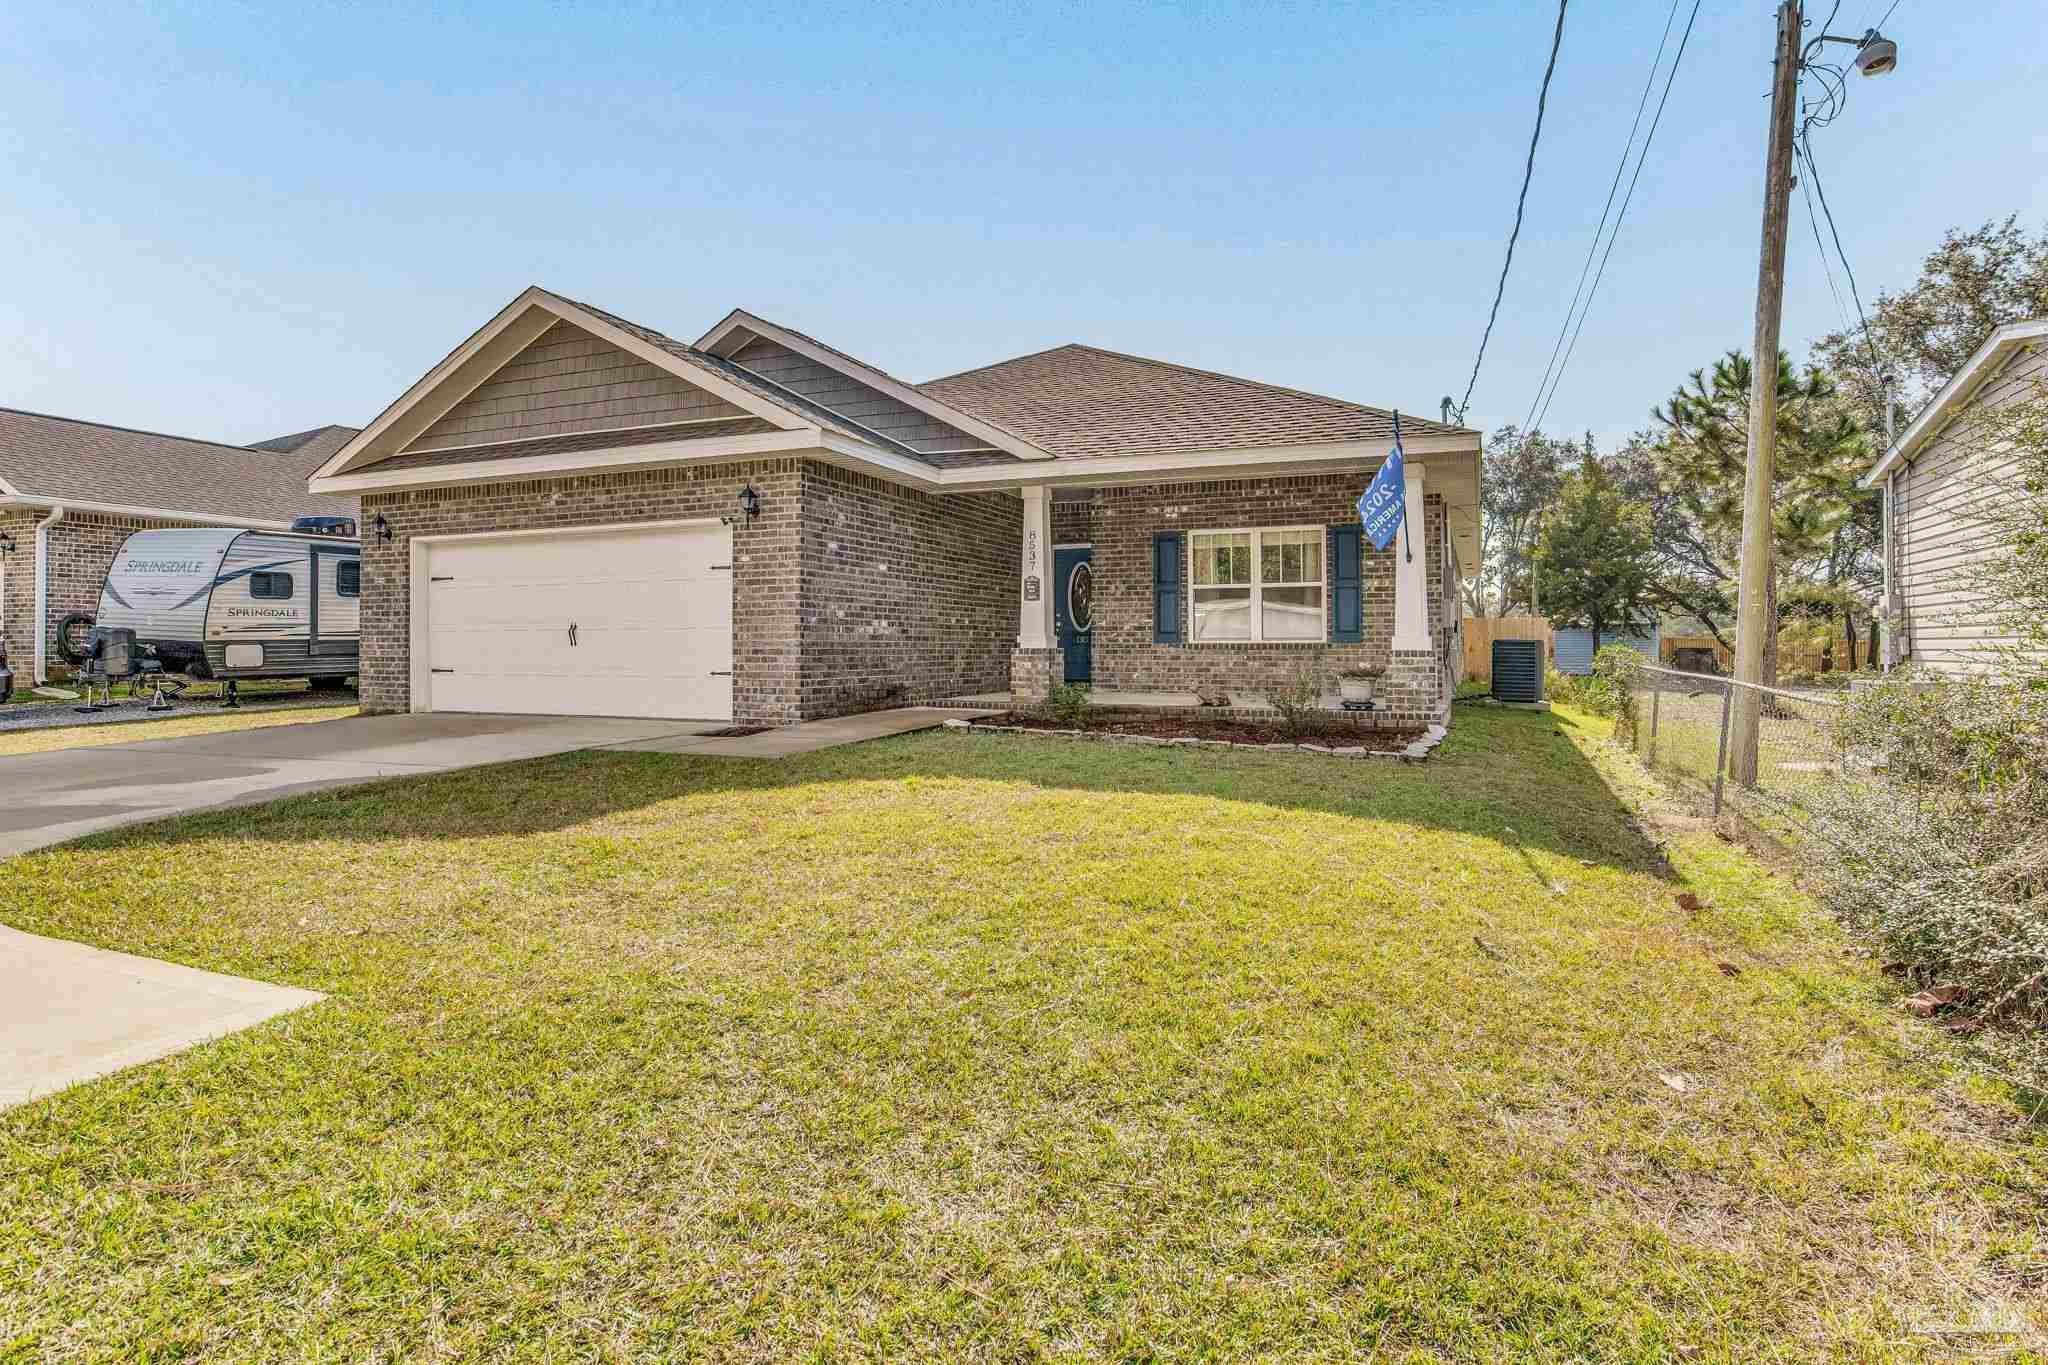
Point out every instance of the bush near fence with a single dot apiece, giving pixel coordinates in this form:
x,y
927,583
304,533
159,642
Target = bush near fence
x,y
1940,856
1918,809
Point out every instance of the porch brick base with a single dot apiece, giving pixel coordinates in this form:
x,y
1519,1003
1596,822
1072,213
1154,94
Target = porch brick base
x,y
1414,686
1033,673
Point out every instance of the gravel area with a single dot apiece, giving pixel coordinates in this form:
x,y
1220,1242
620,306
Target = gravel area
x,y
49,716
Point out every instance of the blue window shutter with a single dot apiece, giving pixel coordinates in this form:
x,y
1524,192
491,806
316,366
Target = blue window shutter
x,y
1347,587
1166,588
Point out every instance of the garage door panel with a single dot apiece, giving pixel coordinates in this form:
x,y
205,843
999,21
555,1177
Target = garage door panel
x,y
652,617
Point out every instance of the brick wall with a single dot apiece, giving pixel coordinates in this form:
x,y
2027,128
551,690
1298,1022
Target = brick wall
x,y
82,548
18,593
1121,524
767,685
906,596
847,591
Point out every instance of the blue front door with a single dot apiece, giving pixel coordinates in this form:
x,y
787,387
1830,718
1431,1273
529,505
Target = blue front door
x,y
1073,608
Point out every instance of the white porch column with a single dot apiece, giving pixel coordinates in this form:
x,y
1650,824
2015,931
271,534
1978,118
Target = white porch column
x,y
1411,575
1034,605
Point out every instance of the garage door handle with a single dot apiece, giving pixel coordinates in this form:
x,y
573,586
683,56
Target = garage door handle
x,y
440,670
572,635
717,673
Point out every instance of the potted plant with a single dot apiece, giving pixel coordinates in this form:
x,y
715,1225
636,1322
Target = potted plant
x,y
1355,686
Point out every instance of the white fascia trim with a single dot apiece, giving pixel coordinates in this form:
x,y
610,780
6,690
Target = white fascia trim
x,y
8,490
1976,372
427,383
739,319
719,450
1202,464
434,387
116,509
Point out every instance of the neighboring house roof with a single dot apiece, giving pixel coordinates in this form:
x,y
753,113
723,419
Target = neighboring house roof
x,y
1998,350
1082,402
46,459
314,446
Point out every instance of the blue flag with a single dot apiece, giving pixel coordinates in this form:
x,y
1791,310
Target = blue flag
x,y
1384,504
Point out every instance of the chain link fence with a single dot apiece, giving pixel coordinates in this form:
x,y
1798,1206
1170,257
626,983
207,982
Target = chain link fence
x,y
1682,724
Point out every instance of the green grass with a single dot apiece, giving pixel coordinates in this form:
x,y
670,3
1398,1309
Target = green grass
x,y
967,1046
56,737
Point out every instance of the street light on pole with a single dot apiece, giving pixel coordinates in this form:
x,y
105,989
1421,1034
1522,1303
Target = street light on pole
x,y
1875,55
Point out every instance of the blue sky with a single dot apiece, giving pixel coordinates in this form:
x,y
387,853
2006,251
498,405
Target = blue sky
x,y
240,221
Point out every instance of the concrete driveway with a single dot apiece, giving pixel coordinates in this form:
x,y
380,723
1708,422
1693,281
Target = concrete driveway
x,y
48,798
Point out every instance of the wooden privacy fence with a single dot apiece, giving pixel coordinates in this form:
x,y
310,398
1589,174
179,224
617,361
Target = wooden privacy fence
x,y
1481,631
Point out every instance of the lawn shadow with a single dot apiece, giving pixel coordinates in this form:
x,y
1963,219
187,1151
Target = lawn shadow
x,y
1514,777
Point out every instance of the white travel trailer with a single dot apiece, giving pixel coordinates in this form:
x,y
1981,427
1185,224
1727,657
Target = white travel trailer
x,y
241,604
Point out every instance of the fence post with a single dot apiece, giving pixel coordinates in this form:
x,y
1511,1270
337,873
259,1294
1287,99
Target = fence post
x,y
1656,697
1721,753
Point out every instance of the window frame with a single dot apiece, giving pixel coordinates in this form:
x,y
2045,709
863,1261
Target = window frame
x,y
1258,585
291,587
345,590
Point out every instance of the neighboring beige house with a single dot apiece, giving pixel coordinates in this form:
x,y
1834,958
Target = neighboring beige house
x,y
1937,478
72,491
574,514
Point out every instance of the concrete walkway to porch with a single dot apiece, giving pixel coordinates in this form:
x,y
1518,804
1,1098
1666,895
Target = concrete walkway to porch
x,y
811,735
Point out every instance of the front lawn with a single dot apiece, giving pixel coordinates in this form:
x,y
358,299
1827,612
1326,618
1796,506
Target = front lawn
x,y
972,1046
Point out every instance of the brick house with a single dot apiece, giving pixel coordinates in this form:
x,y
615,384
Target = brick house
x,y
71,491
572,513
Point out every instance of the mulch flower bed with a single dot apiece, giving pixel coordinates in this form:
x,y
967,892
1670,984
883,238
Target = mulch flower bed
x,y
1170,729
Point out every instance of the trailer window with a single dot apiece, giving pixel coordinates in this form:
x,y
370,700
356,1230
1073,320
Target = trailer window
x,y
273,587
348,578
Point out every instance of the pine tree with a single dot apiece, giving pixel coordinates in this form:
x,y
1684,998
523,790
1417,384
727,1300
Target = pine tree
x,y
1596,557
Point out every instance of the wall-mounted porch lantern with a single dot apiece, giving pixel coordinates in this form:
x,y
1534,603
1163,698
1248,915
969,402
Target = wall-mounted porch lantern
x,y
6,543
380,527
750,501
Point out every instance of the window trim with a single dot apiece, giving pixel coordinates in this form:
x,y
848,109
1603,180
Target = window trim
x,y
341,591
1258,584
291,586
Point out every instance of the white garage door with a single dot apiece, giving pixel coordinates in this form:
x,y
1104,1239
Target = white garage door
x,y
605,623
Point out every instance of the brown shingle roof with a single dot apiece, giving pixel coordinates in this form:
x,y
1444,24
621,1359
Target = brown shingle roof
x,y
65,459
316,446
1082,402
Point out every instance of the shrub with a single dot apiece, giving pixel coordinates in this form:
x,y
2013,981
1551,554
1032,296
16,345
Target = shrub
x,y
1616,671
1068,705
1607,691
1300,704
1938,852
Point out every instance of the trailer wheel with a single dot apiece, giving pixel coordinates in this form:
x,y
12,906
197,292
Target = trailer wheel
x,y
74,633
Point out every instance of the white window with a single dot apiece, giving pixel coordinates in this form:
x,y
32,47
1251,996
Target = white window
x,y
1258,585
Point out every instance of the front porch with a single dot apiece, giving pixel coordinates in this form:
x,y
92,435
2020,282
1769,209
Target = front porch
x,y
1212,596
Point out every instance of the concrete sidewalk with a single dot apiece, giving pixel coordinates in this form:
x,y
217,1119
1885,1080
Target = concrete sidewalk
x,y
70,1012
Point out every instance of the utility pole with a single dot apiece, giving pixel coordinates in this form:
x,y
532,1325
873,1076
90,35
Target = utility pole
x,y
1753,623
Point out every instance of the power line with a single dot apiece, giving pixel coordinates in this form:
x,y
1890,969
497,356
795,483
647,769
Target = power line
x,y
1656,120
1826,265
1820,190
1521,200
1593,247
